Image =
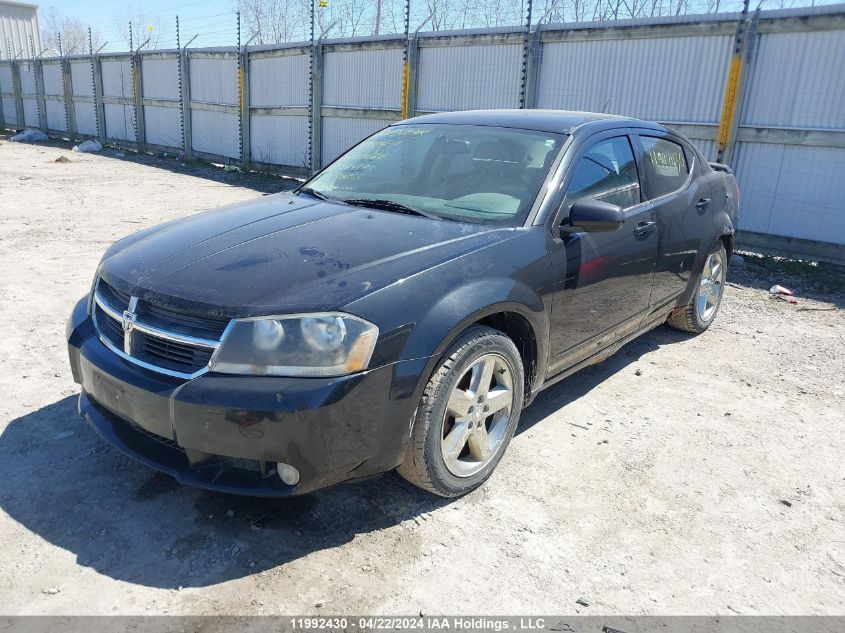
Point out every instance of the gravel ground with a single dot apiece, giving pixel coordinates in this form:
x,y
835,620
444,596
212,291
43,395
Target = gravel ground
x,y
685,475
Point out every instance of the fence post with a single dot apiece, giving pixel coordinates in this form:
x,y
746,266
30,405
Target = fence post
x,y
138,100
526,49
99,106
185,68
38,72
16,88
67,91
243,90
317,108
533,62
411,73
735,85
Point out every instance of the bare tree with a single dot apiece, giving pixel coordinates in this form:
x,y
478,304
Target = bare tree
x,y
65,34
288,20
136,27
275,20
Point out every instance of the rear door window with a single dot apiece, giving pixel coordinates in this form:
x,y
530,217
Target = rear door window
x,y
665,165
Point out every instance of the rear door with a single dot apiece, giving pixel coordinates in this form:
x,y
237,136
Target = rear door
x,y
603,280
680,200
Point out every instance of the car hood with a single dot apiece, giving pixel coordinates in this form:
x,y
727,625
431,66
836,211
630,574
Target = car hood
x,y
283,253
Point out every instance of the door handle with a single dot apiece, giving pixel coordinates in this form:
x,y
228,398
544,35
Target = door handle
x,y
702,204
644,227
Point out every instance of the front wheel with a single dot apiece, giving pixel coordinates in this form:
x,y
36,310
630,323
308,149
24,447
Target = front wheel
x,y
699,313
467,415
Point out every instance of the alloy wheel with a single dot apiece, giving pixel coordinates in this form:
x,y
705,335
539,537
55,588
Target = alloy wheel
x,y
477,416
711,286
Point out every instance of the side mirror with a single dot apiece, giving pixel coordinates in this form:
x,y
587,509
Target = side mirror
x,y
594,216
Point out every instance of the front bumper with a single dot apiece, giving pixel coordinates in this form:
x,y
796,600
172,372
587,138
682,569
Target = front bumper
x,y
226,432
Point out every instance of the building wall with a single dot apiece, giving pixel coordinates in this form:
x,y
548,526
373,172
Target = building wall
x,y
18,23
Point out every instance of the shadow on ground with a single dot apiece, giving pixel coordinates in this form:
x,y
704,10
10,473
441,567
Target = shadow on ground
x,y
132,524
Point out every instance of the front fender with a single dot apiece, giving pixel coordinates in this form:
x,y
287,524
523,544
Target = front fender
x,y
453,313
420,315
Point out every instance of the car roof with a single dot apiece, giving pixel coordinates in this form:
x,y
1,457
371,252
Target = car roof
x,y
559,121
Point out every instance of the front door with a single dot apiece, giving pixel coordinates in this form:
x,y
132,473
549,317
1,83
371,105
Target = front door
x,y
603,279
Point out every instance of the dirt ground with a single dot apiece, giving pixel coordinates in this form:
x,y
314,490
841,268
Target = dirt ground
x,y
685,475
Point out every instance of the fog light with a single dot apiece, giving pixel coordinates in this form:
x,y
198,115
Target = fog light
x,y
288,474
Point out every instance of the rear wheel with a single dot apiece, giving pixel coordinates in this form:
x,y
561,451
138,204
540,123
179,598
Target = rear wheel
x,y
467,416
699,313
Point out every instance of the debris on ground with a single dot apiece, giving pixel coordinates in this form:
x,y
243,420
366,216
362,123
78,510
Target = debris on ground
x,y
62,159
88,146
784,294
232,168
583,602
29,136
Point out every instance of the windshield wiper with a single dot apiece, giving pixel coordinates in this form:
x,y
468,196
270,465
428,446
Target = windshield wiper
x,y
389,205
312,192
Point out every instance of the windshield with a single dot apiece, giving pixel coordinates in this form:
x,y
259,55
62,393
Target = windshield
x,y
467,173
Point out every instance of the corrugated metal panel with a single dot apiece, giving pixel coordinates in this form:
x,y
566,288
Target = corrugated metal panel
x,y
52,79
798,80
363,79
5,78
30,113
160,78
86,118
215,133
117,77
278,81
708,148
56,118
280,140
339,134
27,73
18,24
469,77
10,113
214,80
81,79
663,79
792,190
119,122
161,126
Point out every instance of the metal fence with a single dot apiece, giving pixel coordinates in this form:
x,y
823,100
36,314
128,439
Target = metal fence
x,y
766,93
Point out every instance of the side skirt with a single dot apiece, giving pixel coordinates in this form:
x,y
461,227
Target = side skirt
x,y
653,320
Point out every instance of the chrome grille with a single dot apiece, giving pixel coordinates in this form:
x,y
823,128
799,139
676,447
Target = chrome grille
x,y
159,338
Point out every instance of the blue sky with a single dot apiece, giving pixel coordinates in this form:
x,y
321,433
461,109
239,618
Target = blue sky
x,y
214,19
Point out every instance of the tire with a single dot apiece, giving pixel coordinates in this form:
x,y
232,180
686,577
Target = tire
x,y
455,406
700,312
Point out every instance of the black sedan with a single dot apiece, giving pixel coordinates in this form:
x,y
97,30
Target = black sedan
x,y
401,308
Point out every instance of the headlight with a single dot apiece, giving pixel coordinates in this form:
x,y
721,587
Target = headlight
x,y
325,344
